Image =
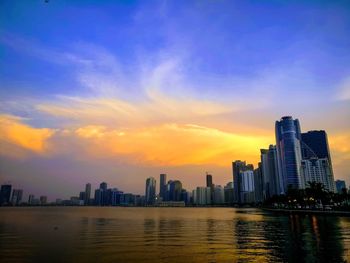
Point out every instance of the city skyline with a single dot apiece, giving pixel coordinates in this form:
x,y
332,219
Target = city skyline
x,y
297,159
150,88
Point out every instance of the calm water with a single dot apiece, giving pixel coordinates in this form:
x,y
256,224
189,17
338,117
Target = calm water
x,y
70,234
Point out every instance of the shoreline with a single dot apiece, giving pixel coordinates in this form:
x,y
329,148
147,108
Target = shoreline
x,y
307,212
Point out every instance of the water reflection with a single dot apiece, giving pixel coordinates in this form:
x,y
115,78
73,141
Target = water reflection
x,y
169,235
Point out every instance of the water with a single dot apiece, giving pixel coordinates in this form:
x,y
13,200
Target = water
x,y
115,234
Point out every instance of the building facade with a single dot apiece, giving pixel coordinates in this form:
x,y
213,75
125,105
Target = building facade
x,y
288,145
150,193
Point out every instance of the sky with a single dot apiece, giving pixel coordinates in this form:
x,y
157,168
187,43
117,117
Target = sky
x,y
118,91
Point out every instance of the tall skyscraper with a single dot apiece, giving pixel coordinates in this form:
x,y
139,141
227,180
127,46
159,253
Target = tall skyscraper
x,y
317,141
273,184
288,144
317,164
150,193
162,186
87,194
259,184
209,181
17,195
243,180
5,194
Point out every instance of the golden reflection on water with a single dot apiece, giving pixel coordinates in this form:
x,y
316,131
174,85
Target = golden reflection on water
x,y
98,234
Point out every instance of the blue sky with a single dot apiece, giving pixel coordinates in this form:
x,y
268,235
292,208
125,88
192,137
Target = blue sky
x,y
96,68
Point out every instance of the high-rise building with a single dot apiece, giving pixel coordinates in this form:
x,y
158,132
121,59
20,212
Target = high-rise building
x,y
103,186
162,186
150,193
5,194
202,196
259,184
317,164
82,196
218,195
243,180
17,195
175,189
318,170
229,193
31,199
209,181
98,197
288,145
43,200
87,194
273,183
317,141
340,185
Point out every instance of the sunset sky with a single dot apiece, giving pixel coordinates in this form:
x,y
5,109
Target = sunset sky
x,y
94,91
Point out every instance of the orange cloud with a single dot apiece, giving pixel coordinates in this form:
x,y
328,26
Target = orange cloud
x,y
13,131
173,144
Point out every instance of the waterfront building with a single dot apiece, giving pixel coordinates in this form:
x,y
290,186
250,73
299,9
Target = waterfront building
x,y
229,193
258,184
103,186
218,195
272,179
209,181
17,195
98,200
202,196
175,188
162,186
185,196
288,145
5,194
150,193
318,164
82,196
43,200
243,180
318,170
30,199
340,185
87,194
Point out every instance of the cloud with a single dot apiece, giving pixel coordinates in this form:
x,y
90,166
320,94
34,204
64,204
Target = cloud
x,y
14,131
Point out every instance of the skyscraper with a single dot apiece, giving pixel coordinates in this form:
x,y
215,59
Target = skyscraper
x,y
243,180
17,195
288,144
162,186
5,194
272,180
209,181
175,189
317,164
87,194
258,184
150,193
